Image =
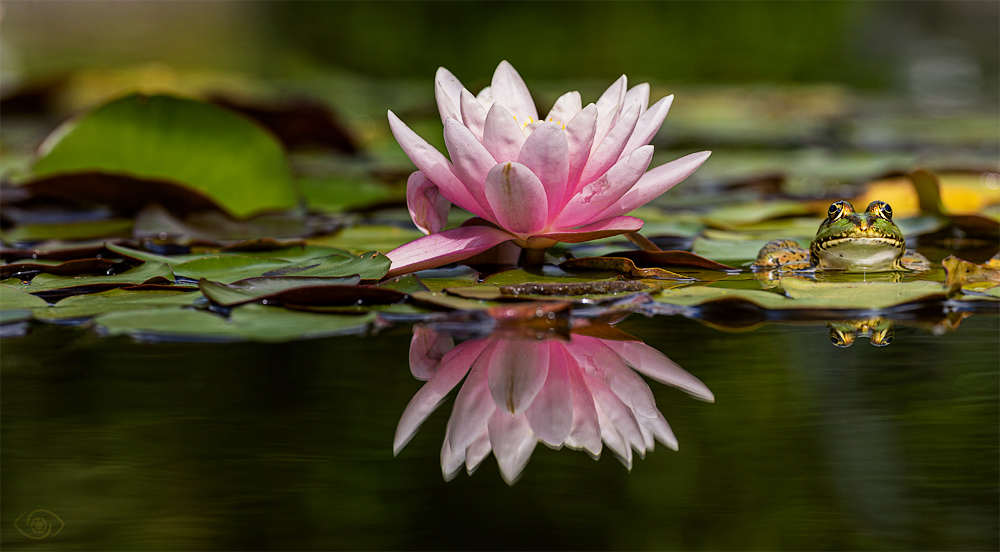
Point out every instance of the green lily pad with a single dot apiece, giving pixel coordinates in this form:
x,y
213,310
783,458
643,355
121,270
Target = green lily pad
x,y
370,265
742,214
407,283
299,291
13,299
24,233
442,299
343,194
246,323
227,268
436,279
728,250
804,294
368,237
150,272
210,149
114,300
548,273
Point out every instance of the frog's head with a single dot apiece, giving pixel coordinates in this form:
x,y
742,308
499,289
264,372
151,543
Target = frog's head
x,y
878,330
861,242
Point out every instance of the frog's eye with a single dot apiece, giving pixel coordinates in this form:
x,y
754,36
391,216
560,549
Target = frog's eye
x,y
836,210
880,209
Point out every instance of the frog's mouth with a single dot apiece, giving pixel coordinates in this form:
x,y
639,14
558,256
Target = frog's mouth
x,y
860,253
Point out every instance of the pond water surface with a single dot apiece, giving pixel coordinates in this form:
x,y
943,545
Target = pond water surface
x,y
807,446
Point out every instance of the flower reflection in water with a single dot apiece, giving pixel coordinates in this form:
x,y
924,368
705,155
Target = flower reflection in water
x,y
583,393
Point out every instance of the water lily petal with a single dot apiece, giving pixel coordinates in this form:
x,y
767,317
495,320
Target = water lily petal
x,y
551,412
453,368
427,205
447,91
509,89
658,180
502,136
648,124
655,365
596,197
485,97
451,460
517,372
473,114
427,347
608,152
443,248
609,106
512,442
640,93
478,451
546,154
473,405
434,165
565,108
580,136
586,432
517,197
470,161
601,229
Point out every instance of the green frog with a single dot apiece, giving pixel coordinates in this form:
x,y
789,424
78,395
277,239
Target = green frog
x,y
878,330
848,241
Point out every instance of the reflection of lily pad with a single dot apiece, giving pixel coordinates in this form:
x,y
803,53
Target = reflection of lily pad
x,y
247,323
151,272
208,148
85,306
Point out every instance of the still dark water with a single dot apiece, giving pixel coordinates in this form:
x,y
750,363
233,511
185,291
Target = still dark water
x,y
249,446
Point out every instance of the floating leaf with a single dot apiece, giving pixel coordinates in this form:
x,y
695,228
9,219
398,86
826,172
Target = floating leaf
x,y
436,279
803,294
68,268
620,265
548,273
741,214
56,251
12,298
371,265
126,193
28,233
589,292
727,250
114,300
367,237
407,283
227,268
150,272
209,149
442,299
299,291
246,323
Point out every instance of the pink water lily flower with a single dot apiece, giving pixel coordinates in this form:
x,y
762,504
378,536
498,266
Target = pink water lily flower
x,y
568,177
581,394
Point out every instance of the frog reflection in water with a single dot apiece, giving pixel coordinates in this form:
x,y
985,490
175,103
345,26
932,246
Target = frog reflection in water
x,y
878,330
847,241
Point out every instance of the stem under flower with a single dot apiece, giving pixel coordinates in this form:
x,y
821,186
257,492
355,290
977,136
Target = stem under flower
x,y
534,257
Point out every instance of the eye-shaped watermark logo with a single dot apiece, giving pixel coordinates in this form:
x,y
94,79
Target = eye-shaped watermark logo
x,y
39,524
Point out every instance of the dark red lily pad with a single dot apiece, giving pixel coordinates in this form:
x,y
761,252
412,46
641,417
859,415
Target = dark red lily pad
x,y
620,265
68,268
298,122
125,193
